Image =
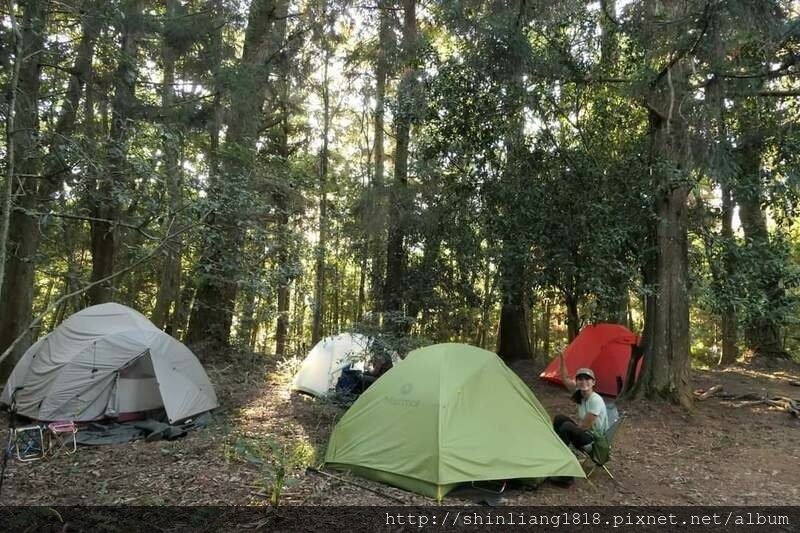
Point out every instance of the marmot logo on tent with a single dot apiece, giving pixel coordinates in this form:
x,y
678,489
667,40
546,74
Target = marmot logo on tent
x,y
406,388
402,402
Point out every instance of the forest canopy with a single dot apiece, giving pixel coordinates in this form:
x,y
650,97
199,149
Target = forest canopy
x,y
260,174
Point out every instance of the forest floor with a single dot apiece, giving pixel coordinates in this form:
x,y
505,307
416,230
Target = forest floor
x,y
722,453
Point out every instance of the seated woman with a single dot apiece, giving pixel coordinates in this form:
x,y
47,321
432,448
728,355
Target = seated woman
x,y
592,414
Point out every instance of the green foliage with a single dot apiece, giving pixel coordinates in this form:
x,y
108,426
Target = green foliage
x,y
280,460
388,335
532,172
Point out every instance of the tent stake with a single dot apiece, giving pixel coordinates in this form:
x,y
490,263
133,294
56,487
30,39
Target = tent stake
x,y
337,478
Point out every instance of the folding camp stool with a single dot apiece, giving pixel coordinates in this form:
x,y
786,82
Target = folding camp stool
x,y
61,437
27,442
611,433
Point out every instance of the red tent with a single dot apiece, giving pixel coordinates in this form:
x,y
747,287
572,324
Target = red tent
x,y
605,348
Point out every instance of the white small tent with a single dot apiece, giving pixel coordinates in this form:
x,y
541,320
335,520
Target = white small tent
x,y
108,361
323,365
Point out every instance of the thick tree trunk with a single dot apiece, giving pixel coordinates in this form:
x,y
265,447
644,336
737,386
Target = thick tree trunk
x,y
214,305
22,237
377,245
665,371
170,283
105,203
513,336
393,289
514,329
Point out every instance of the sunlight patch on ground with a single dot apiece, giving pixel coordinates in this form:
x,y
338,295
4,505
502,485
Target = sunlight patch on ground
x,y
264,437
774,375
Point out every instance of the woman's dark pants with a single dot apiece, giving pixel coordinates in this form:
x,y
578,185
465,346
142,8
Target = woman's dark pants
x,y
570,433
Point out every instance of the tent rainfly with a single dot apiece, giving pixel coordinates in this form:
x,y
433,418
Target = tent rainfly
x,y
450,414
108,361
606,349
323,365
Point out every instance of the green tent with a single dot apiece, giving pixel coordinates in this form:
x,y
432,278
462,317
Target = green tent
x,y
449,414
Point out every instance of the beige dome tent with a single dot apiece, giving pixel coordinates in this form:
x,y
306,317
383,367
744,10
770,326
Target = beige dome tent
x,y
108,361
324,363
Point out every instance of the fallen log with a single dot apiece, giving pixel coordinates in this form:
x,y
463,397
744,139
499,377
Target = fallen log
x,y
704,395
786,404
779,402
752,396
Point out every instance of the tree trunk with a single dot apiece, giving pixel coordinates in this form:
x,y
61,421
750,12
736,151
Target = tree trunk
x,y
285,278
762,332
21,237
281,200
665,371
609,43
393,287
716,99
105,203
70,285
282,327
179,321
377,245
362,289
573,320
730,352
336,293
299,323
319,282
247,318
487,301
513,336
548,309
514,329
170,283
215,300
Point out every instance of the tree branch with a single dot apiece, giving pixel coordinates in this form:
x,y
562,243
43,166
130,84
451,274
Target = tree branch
x,y
684,53
137,228
779,94
609,16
